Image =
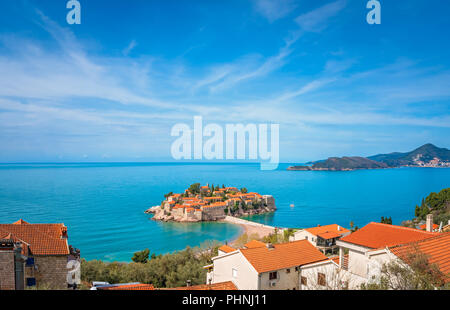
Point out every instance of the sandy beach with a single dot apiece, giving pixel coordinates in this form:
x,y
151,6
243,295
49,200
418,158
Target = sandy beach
x,y
251,228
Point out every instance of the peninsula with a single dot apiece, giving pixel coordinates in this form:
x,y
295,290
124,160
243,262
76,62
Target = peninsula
x,y
427,155
209,203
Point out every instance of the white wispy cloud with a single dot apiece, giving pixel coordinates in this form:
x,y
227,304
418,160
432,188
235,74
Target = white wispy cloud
x,y
274,9
316,20
67,95
129,48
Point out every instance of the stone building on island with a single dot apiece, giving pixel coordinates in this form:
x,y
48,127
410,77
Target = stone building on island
x,y
205,203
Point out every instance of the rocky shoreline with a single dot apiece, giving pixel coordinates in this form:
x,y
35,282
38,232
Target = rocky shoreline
x,y
160,215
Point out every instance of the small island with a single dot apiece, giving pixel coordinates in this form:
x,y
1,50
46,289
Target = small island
x,y
209,203
342,164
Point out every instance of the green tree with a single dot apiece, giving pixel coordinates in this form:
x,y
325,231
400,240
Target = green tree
x,y
195,188
169,270
244,190
168,195
437,204
386,220
288,233
141,256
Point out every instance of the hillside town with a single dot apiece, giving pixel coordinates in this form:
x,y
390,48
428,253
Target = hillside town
x,y
328,257
209,203
302,265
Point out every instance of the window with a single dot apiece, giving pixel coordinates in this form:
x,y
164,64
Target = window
x,y
306,237
31,281
296,268
30,261
304,281
273,275
288,270
321,279
234,273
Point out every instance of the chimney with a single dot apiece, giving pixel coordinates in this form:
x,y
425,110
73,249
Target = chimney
x,y
339,228
429,224
188,283
64,232
19,260
270,246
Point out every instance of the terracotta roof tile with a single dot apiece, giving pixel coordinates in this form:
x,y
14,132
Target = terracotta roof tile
x,y
378,235
328,235
284,255
254,244
40,239
336,260
436,248
226,248
424,226
222,286
20,222
128,287
327,228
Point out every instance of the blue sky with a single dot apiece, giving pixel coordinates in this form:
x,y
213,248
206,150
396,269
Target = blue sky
x,y
111,88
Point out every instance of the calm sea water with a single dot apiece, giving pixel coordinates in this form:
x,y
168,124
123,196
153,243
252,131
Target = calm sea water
x,y
103,204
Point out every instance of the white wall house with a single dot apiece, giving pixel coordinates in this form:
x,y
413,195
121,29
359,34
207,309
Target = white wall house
x,y
367,250
322,237
275,267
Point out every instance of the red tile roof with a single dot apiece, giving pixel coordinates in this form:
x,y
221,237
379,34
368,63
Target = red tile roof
x,y
436,248
329,235
336,260
284,255
128,287
39,239
227,249
327,228
378,235
254,244
424,226
20,222
222,286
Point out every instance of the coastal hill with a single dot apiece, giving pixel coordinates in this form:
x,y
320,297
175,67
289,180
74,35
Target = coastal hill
x,y
341,164
205,203
427,155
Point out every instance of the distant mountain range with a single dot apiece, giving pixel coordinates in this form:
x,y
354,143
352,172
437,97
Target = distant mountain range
x,y
427,155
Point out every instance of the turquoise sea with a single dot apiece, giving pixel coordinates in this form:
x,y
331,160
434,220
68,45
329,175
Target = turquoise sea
x,y
103,204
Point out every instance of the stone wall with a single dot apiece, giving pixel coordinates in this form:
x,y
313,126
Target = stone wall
x,y
7,281
270,201
213,213
51,271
